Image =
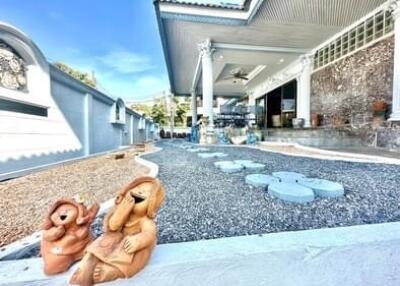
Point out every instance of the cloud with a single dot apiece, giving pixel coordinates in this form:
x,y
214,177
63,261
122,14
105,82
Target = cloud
x,y
134,89
126,62
120,73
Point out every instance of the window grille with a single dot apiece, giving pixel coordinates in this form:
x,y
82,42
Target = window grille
x,y
370,30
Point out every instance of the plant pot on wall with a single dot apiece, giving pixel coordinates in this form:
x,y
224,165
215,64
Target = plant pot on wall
x,y
379,106
315,120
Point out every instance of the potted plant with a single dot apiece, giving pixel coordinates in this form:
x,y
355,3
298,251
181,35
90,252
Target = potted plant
x,y
379,105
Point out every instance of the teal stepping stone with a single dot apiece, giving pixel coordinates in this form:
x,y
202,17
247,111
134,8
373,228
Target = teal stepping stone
x,y
291,192
289,177
243,162
195,150
220,163
212,155
254,166
323,188
231,168
220,155
261,180
205,155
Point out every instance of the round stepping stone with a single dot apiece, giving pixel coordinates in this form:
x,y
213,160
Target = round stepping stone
x,y
220,163
261,180
289,177
231,168
242,162
195,150
291,192
254,166
205,155
323,188
220,155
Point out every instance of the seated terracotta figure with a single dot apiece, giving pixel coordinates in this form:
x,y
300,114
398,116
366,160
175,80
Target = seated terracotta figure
x,y
130,234
66,234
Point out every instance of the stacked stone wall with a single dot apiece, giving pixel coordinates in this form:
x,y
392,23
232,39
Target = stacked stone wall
x,y
343,94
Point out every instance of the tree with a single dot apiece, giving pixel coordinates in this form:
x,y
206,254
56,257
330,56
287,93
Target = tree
x,y
142,108
159,113
182,109
81,76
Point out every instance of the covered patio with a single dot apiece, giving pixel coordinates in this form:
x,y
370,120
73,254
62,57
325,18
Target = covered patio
x,y
275,57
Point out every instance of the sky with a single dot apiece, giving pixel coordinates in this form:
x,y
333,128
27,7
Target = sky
x,y
118,40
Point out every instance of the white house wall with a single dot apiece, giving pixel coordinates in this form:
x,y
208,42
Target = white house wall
x,y
78,121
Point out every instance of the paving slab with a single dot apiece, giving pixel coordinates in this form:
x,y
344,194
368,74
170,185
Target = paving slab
x,y
289,177
323,188
196,150
220,163
261,180
291,192
231,168
254,166
220,155
242,162
206,155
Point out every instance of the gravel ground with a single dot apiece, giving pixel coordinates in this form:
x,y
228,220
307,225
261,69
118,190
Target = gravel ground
x,y
24,201
204,203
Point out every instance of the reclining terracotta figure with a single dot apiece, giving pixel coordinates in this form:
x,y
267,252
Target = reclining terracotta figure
x,y
130,234
66,233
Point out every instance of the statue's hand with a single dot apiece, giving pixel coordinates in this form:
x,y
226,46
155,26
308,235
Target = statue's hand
x,y
130,245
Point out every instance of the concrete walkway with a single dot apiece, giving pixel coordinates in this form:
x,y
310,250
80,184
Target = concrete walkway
x,y
351,256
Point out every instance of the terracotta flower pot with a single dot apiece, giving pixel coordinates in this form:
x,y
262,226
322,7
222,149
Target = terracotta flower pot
x,y
315,120
66,234
379,105
129,238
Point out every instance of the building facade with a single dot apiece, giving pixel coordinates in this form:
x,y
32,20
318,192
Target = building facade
x,y
47,116
333,64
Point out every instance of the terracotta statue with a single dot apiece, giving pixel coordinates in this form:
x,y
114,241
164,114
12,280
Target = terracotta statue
x,y
130,234
66,234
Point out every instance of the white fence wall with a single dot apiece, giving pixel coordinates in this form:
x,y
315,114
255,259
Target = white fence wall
x,y
79,119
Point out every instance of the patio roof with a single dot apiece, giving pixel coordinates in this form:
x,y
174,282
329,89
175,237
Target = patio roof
x,y
233,5
261,41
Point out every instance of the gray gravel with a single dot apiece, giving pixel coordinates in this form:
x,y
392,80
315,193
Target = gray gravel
x,y
204,203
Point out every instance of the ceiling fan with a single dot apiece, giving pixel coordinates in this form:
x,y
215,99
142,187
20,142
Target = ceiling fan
x,y
236,75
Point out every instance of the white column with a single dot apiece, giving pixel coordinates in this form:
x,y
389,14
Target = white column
x,y
207,74
194,108
304,91
395,116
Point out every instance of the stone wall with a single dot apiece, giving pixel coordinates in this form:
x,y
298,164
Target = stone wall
x,y
348,87
343,93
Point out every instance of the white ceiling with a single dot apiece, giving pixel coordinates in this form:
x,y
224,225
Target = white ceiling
x,y
300,24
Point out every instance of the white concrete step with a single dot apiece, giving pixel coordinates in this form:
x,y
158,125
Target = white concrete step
x,y
347,256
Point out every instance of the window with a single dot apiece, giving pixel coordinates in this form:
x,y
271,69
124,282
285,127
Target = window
x,y
118,112
364,33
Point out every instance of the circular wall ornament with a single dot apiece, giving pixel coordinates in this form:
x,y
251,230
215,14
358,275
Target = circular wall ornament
x,y
12,68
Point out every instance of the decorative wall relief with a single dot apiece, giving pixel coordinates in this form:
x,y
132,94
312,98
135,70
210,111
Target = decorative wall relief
x,y
12,68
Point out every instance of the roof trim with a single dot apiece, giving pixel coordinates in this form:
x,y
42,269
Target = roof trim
x,y
196,12
164,43
244,7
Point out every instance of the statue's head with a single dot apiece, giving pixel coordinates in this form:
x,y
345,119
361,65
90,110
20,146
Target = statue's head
x,y
147,194
65,212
